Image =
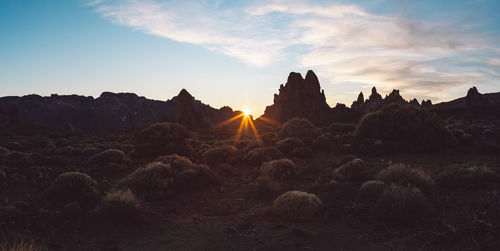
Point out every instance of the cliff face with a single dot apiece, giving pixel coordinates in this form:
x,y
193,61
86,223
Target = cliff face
x,y
110,111
299,97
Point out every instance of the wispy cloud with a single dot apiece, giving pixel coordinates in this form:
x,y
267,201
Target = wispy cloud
x,y
345,43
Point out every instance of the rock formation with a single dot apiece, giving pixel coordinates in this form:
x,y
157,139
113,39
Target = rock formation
x,y
299,97
110,111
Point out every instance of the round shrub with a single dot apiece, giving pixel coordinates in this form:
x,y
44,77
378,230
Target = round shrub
x,y
371,190
296,206
263,154
110,156
74,187
161,138
266,187
287,145
302,152
278,169
300,128
121,207
341,128
476,176
402,203
403,175
354,170
323,141
405,127
219,154
18,159
166,176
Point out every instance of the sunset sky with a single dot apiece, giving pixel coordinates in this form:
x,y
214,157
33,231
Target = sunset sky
x,y
237,53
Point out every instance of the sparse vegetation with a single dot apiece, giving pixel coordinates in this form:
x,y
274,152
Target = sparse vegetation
x,y
404,128
403,175
296,206
161,138
402,203
354,170
459,176
371,190
300,128
74,187
262,154
167,176
120,207
219,154
278,169
289,144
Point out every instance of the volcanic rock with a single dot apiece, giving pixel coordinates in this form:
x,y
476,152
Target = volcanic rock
x,y
299,97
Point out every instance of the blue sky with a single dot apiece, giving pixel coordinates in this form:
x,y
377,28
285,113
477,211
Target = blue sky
x,y
237,53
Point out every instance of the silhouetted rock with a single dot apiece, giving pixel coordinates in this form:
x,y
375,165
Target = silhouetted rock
x,y
414,102
356,105
394,98
185,112
110,111
426,103
299,98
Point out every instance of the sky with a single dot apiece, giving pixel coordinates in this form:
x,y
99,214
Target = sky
x,y
237,53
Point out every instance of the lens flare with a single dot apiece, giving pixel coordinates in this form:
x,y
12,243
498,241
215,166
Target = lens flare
x,y
246,112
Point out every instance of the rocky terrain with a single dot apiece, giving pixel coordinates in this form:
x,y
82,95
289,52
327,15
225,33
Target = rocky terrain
x,y
121,172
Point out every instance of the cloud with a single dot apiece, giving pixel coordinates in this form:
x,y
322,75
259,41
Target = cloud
x,y
343,42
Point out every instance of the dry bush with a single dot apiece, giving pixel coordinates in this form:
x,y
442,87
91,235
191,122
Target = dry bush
x,y
121,207
300,128
323,141
166,176
354,170
402,203
297,206
341,128
278,170
371,190
74,187
405,127
265,187
21,245
270,138
18,159
263,154
302,152
161,138
403,175
110,157
287,145
219,154
476,176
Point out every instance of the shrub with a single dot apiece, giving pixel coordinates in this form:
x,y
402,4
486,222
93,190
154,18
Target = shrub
x,y
476,176
21,245
341,128
371,190
166,176
219,154
302,152
266,187
407,127
161,138
287,145
120,207
323,141
354,170
401,203
262,154
403,175
269,138
110,156
74,187
300,128
278,169
18,159
297,206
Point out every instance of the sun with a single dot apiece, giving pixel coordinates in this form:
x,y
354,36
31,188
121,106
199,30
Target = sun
x,y
246,112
